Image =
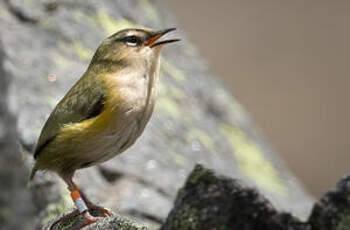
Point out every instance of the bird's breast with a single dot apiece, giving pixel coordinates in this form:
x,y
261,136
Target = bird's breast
x,y
127,112
131,103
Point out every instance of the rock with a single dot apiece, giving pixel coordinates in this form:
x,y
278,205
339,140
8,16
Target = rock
x,y
48,45
16,206
111,223
116,223
208,201
332,212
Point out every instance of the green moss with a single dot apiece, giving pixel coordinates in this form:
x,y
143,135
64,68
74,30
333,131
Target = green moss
x,y
186,218
124,224
203,137
81,51
110,25
344,222
251,160
201,174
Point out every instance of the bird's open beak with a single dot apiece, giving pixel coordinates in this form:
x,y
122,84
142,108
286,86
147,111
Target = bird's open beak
x,y
151,42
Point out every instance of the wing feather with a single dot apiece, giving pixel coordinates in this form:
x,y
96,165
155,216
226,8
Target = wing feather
x,y
84,100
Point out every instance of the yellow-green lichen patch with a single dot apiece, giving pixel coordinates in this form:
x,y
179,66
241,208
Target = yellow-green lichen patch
x,y
150,11
172,70
203,137
166,101
178,158
110,25
61,62
169,106
251,160
56,209
81,51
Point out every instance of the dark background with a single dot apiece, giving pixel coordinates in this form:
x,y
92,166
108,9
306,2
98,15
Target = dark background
x,y
288,64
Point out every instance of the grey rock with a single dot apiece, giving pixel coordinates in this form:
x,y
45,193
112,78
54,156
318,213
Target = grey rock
x,y
16,206
208,202
332,212
49,44
112,223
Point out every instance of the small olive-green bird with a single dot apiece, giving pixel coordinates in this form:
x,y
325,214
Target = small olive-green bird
x,y
104,112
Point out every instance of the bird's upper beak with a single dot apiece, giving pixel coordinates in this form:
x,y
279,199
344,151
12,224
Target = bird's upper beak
x,y
151,42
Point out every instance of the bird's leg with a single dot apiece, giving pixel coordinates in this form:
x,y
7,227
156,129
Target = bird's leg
x,y
82,207
92,206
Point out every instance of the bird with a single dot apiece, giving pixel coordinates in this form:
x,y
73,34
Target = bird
x,y
104,112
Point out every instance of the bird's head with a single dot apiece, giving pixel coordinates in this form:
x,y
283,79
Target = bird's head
x,y
132,46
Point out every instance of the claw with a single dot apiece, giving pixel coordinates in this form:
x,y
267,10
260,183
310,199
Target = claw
x,y
103,211
87,219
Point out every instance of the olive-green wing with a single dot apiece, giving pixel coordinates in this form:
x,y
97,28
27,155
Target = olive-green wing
x,y
84,100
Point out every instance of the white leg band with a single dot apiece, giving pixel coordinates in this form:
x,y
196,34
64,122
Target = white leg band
x,y
80,204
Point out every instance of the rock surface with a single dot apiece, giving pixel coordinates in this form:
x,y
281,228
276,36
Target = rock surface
x,y
112,223
46,46
15,199
208,202
332,212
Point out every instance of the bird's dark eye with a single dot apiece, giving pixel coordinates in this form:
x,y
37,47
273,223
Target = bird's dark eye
x,y
132,40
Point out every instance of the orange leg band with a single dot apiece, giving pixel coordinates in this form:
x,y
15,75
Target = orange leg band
x,y
78,201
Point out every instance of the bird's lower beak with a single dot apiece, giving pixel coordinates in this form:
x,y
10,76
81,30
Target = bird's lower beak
x,y
151,42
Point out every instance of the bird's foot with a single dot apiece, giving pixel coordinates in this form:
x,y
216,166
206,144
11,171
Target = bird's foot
x,y
85,219
89,219
101,210
95,208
